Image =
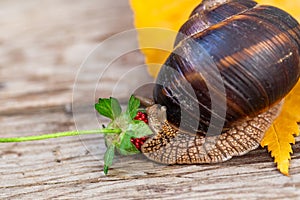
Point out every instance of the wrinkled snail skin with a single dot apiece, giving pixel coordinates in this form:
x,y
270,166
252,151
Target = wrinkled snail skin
x,y
255,50
171,146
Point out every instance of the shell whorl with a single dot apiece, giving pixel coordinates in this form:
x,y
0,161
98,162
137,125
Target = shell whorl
x,y
255,50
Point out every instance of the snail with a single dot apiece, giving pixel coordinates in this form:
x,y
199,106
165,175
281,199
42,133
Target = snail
x,y
223,85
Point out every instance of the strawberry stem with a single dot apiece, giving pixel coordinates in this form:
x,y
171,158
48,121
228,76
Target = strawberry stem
x,y
60,134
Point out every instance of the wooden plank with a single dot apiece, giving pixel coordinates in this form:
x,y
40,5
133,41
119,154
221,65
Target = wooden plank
x,y
43,44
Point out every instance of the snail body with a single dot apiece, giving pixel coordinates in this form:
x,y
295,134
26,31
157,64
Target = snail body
x,y
233,63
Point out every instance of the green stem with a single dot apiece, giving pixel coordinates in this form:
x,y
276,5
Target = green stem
x,y
60,134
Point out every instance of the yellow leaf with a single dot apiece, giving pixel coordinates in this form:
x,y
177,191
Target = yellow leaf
x,y
171,15
166,15
291,106
280,135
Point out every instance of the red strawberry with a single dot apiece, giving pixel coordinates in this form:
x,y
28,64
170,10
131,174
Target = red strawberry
x,y
138,142
141,116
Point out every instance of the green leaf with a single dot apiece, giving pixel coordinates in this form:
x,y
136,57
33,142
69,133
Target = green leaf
x,y
126,147
109,107
105,169
139,129
133,106
108,157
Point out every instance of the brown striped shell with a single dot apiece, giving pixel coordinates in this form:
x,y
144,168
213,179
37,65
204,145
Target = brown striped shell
x,y
233,61
255,50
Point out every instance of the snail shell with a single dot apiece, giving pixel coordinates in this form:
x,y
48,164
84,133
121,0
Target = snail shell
x,y
236,52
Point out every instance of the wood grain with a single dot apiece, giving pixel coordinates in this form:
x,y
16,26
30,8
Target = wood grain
x,y
43,44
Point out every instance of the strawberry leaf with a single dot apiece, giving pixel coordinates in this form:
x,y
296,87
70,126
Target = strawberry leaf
x,y
109,107
139,129
108,157
126,147
133,106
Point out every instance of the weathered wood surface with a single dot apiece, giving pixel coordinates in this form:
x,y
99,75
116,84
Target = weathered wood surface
x,y
43,44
